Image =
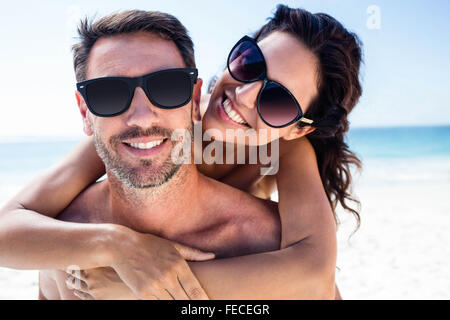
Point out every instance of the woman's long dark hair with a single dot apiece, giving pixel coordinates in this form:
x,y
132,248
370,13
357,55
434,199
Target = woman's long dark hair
x,y
340,56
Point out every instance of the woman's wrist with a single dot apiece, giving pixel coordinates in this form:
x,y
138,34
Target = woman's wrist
x,y
112,239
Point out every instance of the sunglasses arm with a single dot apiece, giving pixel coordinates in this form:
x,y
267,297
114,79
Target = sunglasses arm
x,y
305,120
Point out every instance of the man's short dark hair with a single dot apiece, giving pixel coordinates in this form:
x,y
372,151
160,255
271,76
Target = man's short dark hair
x,y
165,25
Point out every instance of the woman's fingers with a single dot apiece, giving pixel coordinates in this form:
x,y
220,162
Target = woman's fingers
x,y
83,295
77,284
79,287
193,254
80,274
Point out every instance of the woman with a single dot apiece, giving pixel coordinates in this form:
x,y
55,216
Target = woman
x,y
323,78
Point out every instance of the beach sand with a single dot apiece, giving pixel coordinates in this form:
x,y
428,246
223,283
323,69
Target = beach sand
x,y
401,250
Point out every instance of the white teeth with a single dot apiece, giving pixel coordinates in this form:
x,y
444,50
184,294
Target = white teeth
x,y
147,145
231,113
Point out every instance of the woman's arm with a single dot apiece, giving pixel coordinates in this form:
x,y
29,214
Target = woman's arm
x,y
302,202
305,265
303,271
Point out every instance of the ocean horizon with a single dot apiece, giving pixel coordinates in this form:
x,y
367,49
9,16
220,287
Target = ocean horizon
x,y
32,153
388,154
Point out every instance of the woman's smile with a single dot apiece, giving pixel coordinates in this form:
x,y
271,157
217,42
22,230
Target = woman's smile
x,y
227,112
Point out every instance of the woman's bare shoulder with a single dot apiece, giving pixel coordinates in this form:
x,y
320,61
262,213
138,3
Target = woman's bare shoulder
x,y
297,152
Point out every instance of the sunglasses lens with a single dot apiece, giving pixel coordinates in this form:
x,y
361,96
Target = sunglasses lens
x,y
276,106
107,96
245,62
170,89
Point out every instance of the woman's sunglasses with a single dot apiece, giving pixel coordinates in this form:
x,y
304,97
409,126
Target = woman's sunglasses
x,y
166,89
276,106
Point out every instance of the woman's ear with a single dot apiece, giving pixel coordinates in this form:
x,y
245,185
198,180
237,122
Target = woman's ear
x,y
297,132
196,96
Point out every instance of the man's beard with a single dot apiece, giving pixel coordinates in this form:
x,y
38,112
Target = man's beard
x,y
147,175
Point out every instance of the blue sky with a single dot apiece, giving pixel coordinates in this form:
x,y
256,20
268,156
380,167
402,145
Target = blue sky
x,y
405,76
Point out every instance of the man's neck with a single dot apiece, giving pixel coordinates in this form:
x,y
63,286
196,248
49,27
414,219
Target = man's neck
x,y
158,210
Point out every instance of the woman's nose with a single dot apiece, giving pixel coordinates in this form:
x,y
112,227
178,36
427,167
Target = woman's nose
x,y
142,113
246,94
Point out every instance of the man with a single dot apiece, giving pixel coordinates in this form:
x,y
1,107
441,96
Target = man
x,y
145,190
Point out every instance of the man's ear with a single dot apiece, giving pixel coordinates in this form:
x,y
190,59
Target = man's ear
x,y
87,128
297,132
196,95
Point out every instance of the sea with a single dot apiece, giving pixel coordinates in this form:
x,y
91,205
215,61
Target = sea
x,y
397,153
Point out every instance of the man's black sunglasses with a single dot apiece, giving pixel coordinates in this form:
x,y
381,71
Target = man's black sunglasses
x,y
166,89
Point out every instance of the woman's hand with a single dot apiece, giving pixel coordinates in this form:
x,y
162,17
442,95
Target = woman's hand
x,y
98,284
153,267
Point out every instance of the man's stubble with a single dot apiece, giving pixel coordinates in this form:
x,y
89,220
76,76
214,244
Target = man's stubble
x,y
145,176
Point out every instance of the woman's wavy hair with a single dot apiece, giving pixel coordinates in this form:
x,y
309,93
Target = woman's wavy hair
x,y
339,57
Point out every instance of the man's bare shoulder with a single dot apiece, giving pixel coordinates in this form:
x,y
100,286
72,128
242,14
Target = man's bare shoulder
x,y
230,197
88,207
252,222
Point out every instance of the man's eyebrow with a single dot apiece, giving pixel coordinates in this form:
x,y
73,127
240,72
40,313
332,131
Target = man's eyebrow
x,y
108,69
123,73
104,75
109,74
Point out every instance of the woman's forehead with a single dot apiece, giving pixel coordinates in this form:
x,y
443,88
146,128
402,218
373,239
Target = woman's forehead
x,y
292,64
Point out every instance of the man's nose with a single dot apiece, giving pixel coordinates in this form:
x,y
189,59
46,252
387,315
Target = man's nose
x,y
142,113
246,94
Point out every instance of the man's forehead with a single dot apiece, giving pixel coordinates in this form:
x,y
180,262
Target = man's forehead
x,y
132,55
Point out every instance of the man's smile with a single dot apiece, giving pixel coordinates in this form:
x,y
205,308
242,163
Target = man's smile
x,y
142,148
